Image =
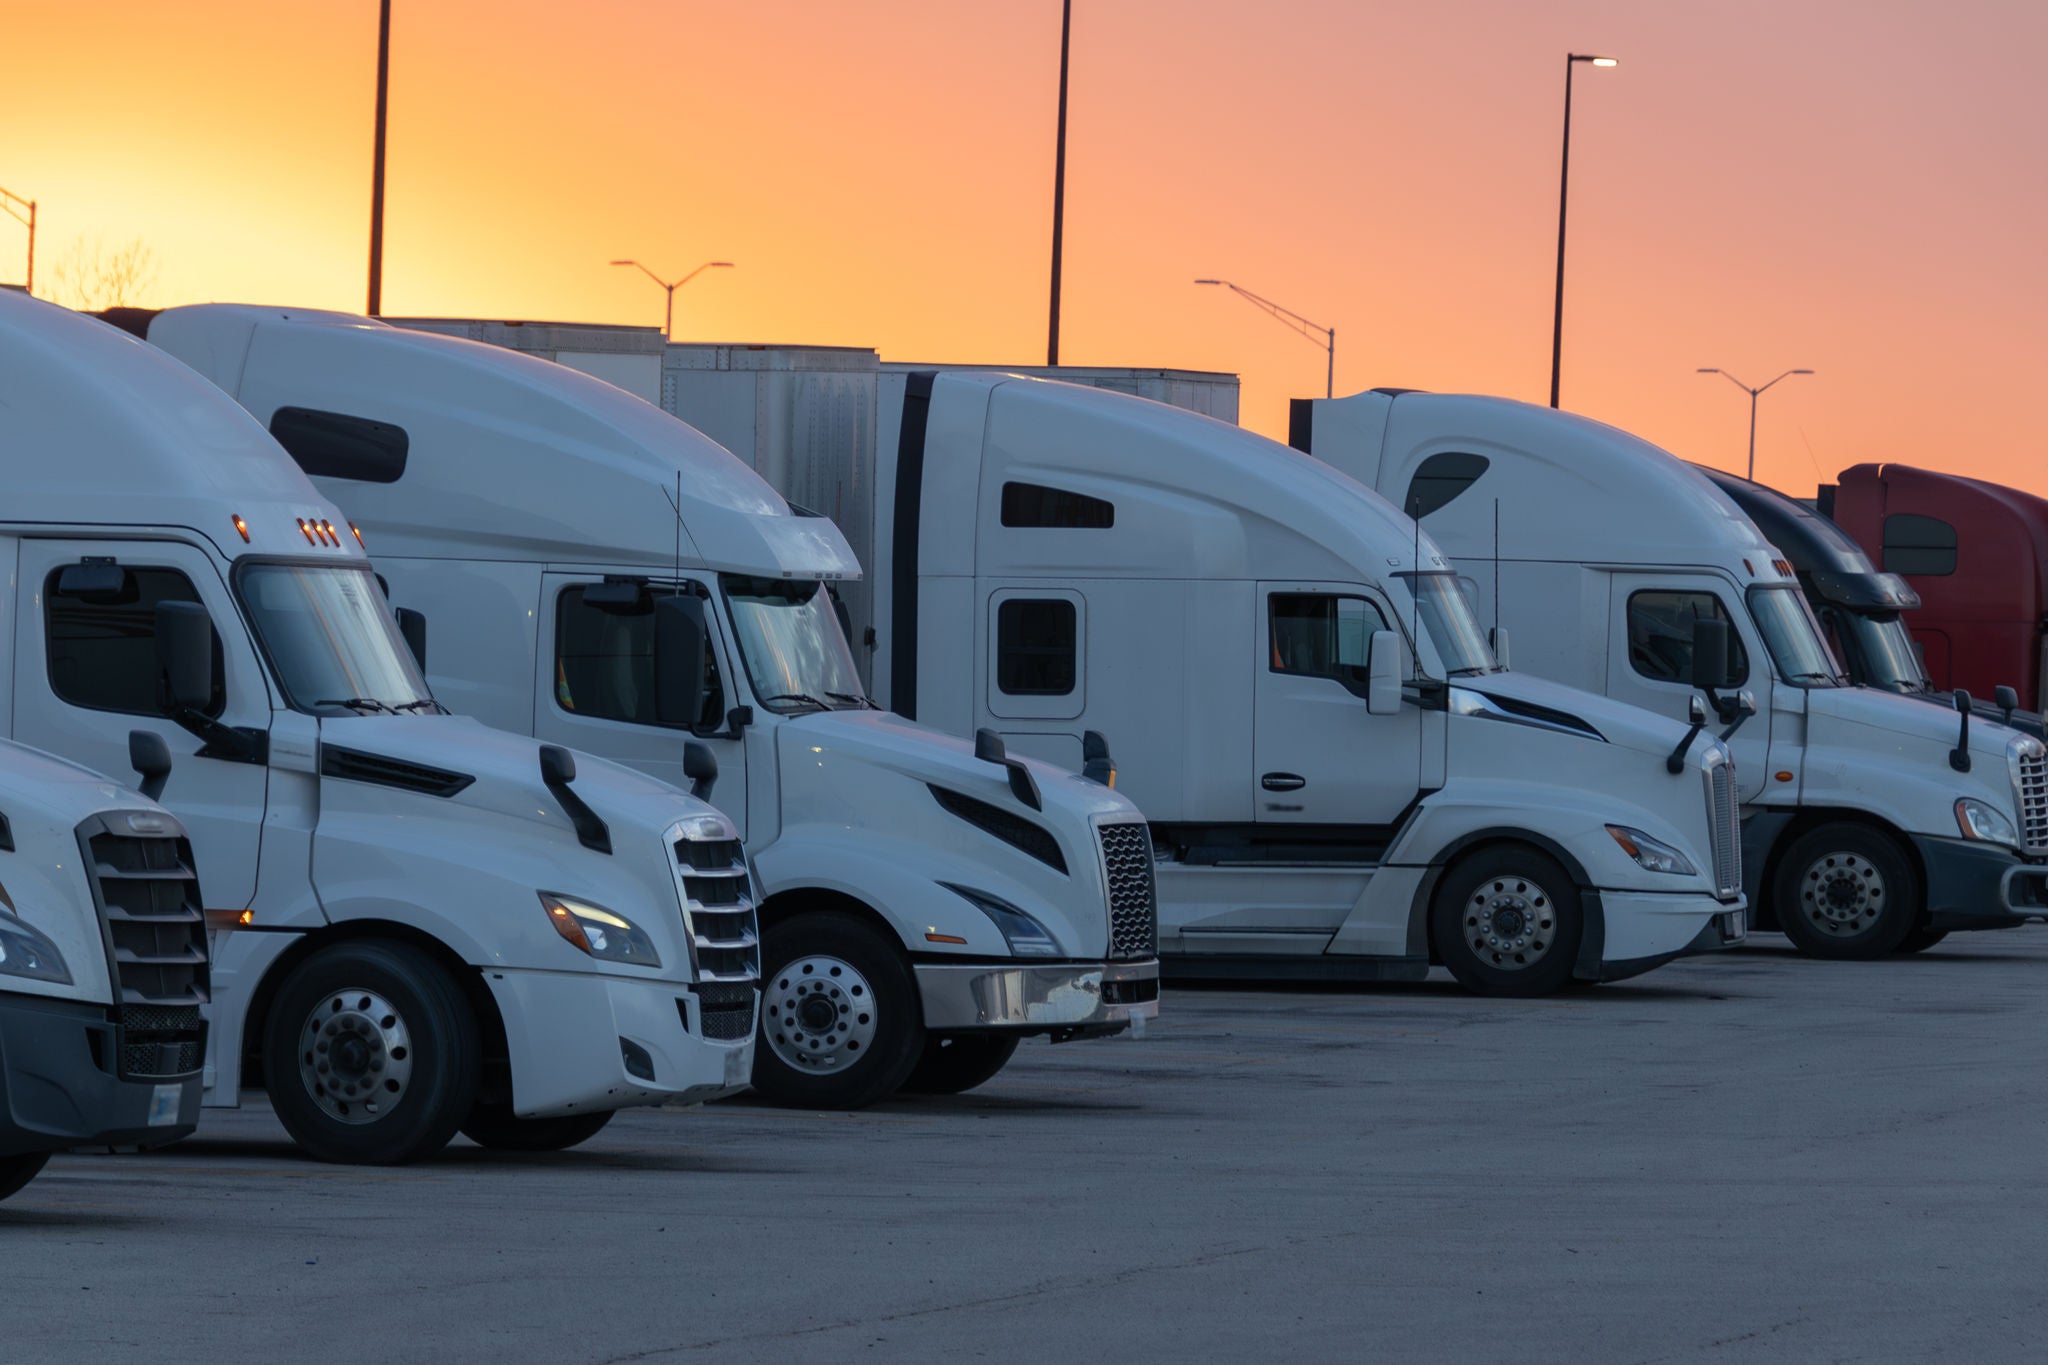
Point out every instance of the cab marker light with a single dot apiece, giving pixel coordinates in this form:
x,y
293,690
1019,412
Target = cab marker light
x,y
243,527
358,532
307,532
1782,776
333,536
246,917
936,937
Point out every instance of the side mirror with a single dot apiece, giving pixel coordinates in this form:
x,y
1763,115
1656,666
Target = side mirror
x,y
700,765
413,626
845,617
1709,653
2008,701
1500,646
184,645
151,759
557,765
101,582
1698,711
1096,763
679,635
1959,757
1383,674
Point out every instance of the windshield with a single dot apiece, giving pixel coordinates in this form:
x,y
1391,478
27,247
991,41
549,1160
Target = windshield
x,y
331,637
1443,614
1793,638
795,653
1886,648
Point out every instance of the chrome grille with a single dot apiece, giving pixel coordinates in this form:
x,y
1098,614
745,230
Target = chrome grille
x,y
718,913
1133,902
154,926
2030,777
1724,827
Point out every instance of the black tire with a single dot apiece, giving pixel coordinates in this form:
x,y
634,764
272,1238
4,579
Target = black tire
x,y
327,1003
829,981
957,1063
494,1126
1846,891
1921,939
1507,921
17,1171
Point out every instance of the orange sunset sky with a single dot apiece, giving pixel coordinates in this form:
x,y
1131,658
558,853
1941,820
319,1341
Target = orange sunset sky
x,y
1857,188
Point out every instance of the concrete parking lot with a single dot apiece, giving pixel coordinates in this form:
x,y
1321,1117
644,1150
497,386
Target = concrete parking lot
x,y
1747,1158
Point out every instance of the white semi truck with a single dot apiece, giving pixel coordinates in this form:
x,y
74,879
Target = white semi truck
x,y
103,965
596,573
1872,822
422,924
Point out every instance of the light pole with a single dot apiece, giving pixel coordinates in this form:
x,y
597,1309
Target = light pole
x,y
14,204
1753,395
1299,324
668,321
1563,189
1059,188
377,161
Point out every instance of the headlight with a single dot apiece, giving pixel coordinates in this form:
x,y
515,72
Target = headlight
x,y
1980,820
26,952
1025,935
702,828
1651,855
599,932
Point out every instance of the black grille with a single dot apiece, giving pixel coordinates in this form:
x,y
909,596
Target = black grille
x,y
161,1040
155,931
1013,830
1133,902
718,914
725,1009
712,891
713,855
353,765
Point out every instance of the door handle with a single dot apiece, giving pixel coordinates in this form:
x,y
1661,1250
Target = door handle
x,y
1283,782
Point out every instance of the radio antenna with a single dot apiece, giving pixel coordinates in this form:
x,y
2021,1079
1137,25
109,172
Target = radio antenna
x,y
1496,572
1415,599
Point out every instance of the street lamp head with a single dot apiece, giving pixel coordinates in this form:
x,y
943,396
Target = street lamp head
x,y
1708,371
1208,281
1802,371
1589,57
625,262
1605,61
721,265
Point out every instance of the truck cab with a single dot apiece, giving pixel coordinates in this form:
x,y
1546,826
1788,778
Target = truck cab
x,y
1872,823
103,965
596,573
1341,780
419,924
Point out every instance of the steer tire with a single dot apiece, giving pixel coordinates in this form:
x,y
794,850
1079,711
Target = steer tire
x,y
958,1062
343,985
1920,940
1485,891
1846,891
494,1126
841,1023
16,1171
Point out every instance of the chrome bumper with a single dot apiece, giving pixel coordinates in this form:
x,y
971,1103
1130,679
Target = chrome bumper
x,y
1067,998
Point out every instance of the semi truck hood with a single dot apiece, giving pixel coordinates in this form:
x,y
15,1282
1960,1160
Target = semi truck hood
x,y
1535,700
1832,712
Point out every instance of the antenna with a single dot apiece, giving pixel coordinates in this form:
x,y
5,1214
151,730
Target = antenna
x,y
1415,599
679,528
1496,570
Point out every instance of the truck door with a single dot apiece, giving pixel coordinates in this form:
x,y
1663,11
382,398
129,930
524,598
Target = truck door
x,y
86,673
597,686
1319,757
1650,662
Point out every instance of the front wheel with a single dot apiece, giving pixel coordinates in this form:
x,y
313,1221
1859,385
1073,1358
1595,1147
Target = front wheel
x,y
1507,921
16,1171
495,1126
841,1024
370,1054
1846,891
955,1064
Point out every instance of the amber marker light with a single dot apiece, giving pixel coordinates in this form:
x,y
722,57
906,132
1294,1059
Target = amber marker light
x,y
246,917
1782,777
944,938
307,532
357,532
243,528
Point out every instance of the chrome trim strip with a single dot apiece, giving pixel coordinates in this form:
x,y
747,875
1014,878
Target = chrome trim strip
x,y
1059,996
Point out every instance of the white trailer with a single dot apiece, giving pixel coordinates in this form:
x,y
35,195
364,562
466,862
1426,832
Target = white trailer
x,y
422,925
1871,822
596,573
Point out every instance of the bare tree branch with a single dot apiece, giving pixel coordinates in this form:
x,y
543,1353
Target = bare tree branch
x,y
90,276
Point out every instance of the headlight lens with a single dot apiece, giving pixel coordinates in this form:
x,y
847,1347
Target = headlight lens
x,y
704,828
1980,820
599,932
1652,855
26,952
1025,935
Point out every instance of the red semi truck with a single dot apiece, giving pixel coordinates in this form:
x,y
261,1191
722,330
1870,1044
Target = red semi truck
x,y
1976,552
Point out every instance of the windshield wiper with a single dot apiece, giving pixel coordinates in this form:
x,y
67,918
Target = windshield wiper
x,y
439,709
863,702
369,704
798,696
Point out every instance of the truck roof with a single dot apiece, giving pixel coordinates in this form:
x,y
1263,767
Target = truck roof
x,y
501,454
1832,565
102,430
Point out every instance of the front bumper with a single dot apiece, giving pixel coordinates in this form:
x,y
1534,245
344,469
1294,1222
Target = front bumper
x,y
1974,885
1644,930
1065,999
59,1087
581,1042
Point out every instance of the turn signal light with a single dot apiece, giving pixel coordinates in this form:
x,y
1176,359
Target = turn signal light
x,y
944,938
243,528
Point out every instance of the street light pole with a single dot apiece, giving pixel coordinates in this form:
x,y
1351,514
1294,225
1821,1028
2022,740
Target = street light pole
x,y
1299,324
1059,188
14,204
376,304
668,320
1754,394
1563,189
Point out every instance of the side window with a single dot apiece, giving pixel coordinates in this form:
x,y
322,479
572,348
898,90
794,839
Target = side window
x,y
1660,634
604,661
1321,635
1914,544
1036,639
1440,478
102,643
1031,504
339,446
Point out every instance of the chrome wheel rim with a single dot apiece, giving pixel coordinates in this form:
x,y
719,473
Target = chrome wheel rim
x,y
818,1015
355,1056
1842,894
1510,923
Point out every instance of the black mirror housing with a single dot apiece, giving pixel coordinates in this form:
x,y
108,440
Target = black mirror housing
x,y
700,765
101,582
151,759
413,626
1710,653
184,646
679,637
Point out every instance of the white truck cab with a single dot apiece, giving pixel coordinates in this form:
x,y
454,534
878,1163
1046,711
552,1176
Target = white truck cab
x,y
1340,779
103,966
597,573
422,924
1871,822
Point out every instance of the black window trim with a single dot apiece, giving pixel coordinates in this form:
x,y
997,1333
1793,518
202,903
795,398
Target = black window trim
x,y
1355,595
1073,651
388,466
50,662
684,586
1042,492
1739,651
1950,545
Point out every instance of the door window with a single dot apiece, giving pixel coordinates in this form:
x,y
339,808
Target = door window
x,y
102,645
1322,635
1660,623
1036,644
604,661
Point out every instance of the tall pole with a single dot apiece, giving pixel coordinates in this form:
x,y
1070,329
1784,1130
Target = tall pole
x,y
12,205
376,305
1311,330
1564,185
1330,374
1753,394
668,317
1059,188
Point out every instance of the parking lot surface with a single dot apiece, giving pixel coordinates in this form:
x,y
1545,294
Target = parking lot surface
x,y
1752,1157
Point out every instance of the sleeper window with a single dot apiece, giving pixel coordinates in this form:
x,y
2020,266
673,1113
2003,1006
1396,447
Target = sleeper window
x,y
102,646
1915,544
1322,635
604,662
1035,646
1032,504
1660,634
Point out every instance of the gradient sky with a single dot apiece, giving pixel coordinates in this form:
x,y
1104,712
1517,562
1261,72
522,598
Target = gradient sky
x,y
1857,188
